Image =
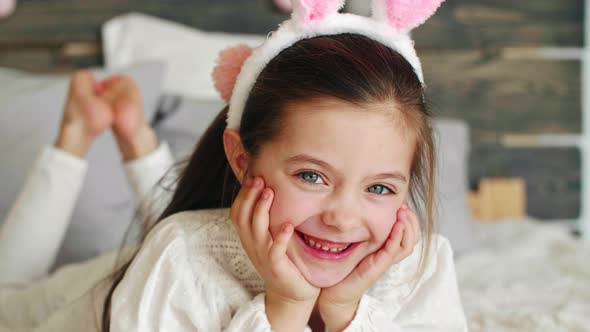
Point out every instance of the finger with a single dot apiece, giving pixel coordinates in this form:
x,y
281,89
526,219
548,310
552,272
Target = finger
x,y
261,217
278,251
237,204
392,245
247,207
414,222
377,263
409,236
408,242
406,216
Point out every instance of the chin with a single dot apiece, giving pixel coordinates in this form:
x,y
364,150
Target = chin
x,y
324,282
323,278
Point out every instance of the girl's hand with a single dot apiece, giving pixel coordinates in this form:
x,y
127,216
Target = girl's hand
x,y
338,304
85,116
289,297
134,136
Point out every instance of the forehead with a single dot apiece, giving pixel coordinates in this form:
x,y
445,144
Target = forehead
x,y
347,136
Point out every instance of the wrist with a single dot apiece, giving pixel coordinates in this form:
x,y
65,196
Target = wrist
x,y
72,139
285,314
138,146
337,316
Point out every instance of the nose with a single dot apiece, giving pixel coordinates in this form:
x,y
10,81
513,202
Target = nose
x,y
342,211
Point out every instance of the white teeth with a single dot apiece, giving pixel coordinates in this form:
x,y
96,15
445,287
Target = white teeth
x,y
318,246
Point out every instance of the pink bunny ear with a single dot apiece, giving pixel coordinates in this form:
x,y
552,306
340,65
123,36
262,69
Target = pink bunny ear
x,y
405,15
307,12
228,68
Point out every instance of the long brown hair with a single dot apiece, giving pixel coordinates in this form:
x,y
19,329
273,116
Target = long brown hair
x,y
349,67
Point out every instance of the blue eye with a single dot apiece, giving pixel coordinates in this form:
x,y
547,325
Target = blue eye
x,y
380,190
310,177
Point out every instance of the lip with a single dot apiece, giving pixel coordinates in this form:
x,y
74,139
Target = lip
x,y
325,255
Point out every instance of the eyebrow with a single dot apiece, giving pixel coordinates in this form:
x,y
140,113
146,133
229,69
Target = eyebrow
x,y
303,158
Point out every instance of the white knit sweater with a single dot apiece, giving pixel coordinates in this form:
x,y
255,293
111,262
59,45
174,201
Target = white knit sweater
x,y
192,274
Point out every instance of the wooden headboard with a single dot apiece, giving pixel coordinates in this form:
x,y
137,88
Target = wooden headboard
x,y
506,67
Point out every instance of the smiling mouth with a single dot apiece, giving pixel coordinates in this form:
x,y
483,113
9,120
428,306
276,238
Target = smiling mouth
x,y
323,245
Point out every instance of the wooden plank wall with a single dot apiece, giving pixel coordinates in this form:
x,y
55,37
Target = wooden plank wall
x,y
482,60
484,63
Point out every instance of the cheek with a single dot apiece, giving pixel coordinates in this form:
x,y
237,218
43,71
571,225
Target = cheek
x,y
382,220
293,205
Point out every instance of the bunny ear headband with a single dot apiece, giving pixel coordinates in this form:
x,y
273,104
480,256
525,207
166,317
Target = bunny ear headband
x,y
238,67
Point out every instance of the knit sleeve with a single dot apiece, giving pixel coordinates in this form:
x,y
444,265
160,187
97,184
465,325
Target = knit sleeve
x,y
158,291
420,302
31,235
252,317
373,315
163,290
435,304
399,303
144,175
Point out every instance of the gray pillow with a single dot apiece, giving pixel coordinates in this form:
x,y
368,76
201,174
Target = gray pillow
x,y
453,215
30,112
184,120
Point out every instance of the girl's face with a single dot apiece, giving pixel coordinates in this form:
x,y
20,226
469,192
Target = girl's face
x,y
339,175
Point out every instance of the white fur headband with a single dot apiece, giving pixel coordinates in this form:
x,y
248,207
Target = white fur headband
x,y
239,67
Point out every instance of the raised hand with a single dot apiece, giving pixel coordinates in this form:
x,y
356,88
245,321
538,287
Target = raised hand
x,y
338,304
289,297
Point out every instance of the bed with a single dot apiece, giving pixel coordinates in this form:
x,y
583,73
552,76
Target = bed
x,y
526,275
514,275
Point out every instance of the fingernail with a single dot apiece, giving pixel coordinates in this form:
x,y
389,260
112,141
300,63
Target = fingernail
x,y
266,194
257,182
287,228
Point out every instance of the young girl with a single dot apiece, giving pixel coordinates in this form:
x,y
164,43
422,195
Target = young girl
x,y
327,138
292,212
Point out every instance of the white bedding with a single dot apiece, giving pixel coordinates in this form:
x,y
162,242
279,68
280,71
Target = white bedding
x,y
190,54
530,276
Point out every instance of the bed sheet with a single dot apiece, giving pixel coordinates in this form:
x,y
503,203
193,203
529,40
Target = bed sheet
x,y
528,276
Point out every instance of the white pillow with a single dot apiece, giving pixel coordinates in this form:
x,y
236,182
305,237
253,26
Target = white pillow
x,y
30,118
190,54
